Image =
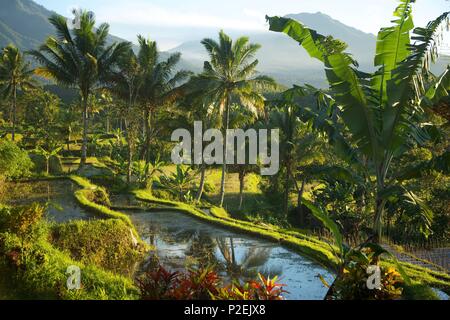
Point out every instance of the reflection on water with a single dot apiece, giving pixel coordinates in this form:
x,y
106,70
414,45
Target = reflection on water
x,y
183,241
58,193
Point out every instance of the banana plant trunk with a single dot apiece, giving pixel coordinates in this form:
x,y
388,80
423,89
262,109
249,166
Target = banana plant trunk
x,y
225,151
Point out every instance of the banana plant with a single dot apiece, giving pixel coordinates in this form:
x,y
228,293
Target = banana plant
x,y
382,112
346,255
146,172
179,182
47,154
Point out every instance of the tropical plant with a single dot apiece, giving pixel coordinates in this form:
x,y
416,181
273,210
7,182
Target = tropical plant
x,y
146,172
204,284
353,263
47,154
15,74
81,59
178,183
381,111
158,85
230,77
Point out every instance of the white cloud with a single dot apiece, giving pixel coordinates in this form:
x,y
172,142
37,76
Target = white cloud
x,y
146,14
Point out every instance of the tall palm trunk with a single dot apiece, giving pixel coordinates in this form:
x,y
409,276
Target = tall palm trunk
x,y
13,136
241,188
202,184
108,124
287,189
145,154
85,130
300,203
225,151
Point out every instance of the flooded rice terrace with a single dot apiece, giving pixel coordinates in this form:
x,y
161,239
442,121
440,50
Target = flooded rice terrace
x,y
58,194
183,241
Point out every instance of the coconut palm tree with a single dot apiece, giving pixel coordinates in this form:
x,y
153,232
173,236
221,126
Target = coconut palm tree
x,y
230,77
15,74
79,58
158,85
381,113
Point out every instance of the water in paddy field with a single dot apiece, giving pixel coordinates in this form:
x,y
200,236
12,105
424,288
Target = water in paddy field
x,y
63,206
182,241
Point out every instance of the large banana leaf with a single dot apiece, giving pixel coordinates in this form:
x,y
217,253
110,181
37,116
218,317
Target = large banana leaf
x,y
345,82
402,88
438,90
323,217
392,47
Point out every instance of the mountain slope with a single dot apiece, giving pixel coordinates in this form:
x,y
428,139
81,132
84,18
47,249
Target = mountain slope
x,y
282,58
25,24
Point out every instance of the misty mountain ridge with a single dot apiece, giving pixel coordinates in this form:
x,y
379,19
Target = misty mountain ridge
x,y
25,24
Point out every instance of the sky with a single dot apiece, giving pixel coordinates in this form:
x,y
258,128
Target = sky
x,y
172,22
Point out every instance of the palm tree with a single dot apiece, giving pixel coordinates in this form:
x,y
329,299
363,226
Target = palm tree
x,y
158,85
126,83
381,111
230,77
15,74
80,59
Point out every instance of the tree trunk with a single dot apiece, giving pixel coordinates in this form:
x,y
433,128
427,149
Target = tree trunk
x,y
241,188
225,153
300,203
130,152
145,148
202,184
85,129
380,204
286,192
47,159
108,124
14,113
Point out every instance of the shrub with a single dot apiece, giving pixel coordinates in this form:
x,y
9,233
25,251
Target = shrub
x,y
99,196
109,244
352,282
14,162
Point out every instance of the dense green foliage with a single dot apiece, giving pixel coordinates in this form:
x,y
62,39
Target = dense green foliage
x,y
105,243
37,270
14,162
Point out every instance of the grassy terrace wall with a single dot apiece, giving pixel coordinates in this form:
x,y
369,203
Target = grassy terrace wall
x,y
311,247
82,197
45,274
